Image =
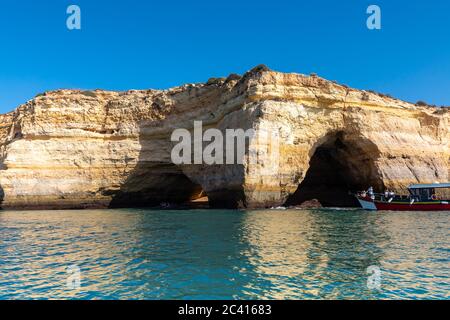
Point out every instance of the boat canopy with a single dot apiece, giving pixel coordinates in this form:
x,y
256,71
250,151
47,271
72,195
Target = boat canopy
x,y
429,186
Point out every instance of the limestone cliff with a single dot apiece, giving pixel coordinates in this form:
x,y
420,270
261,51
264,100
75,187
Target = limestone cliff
x,y
78,149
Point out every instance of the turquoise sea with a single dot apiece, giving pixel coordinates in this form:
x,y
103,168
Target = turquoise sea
x,y
224,254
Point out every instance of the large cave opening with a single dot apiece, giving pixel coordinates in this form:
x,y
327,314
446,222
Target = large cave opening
x,y
161,185
338,166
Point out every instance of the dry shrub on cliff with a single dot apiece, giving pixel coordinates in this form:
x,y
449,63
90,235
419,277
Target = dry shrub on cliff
x,y
89,93
233,76
217,81
421,103
386,95
364,96
441,110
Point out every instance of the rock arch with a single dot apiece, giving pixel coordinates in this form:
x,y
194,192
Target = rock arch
x,y
153,180
153,186
339,163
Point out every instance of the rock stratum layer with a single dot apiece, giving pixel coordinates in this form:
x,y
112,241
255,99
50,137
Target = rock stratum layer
x,y
82,149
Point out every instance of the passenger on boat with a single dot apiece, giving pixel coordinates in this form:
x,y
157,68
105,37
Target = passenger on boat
x,y
370,193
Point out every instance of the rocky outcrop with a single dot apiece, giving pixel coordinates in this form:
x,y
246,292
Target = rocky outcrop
x,y
78,149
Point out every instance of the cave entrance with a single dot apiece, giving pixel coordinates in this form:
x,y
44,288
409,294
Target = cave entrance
x,y
175,189
338,166
159,185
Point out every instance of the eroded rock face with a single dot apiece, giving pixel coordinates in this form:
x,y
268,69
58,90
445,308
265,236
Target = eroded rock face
x,y
75,149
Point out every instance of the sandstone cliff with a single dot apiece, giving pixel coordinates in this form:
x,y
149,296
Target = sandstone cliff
x,y
78,149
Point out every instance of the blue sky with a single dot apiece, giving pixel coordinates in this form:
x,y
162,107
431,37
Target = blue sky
x,y
137,44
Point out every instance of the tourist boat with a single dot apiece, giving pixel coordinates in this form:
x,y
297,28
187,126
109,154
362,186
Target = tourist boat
x,y
422,197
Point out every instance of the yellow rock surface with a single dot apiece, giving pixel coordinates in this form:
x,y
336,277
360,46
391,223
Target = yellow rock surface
x,y
78,149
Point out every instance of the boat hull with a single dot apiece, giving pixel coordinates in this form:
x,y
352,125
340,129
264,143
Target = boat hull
x,y
370,204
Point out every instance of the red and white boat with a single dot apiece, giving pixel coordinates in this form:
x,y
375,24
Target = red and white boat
x,y
422,197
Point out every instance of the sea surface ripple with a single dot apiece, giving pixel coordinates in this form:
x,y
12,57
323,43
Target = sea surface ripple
x,y
224,254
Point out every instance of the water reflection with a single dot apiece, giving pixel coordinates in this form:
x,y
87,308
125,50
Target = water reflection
x,y
320,254
271,254
416,260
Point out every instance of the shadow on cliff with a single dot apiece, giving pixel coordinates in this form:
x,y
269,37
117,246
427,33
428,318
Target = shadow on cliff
x,y
337,167
2,197
156,183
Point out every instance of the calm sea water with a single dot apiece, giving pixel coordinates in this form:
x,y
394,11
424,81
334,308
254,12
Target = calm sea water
x,y
220,254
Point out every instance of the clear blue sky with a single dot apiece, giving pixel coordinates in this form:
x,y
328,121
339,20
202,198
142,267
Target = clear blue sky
x,y
137,44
